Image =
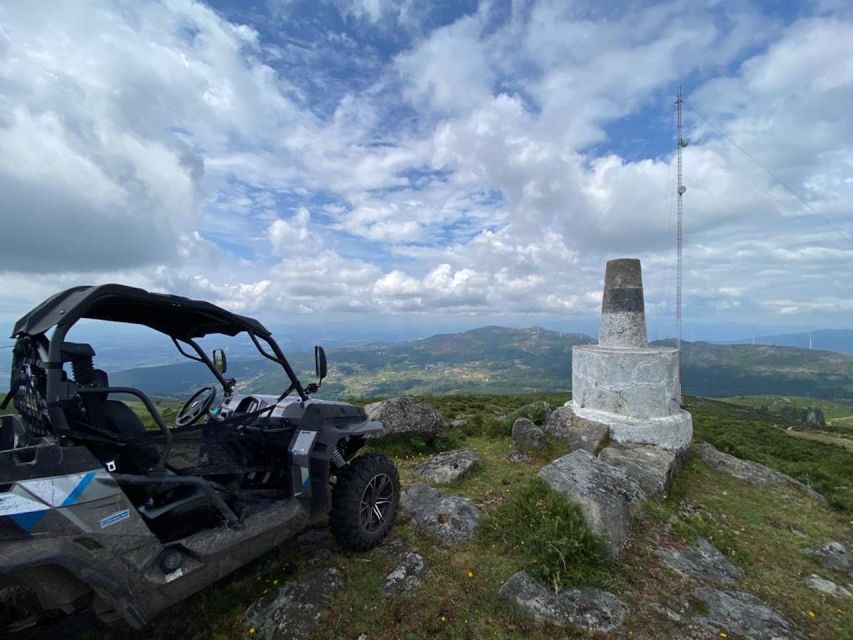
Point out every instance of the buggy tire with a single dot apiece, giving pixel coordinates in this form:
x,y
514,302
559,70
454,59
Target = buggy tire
x,y
364,502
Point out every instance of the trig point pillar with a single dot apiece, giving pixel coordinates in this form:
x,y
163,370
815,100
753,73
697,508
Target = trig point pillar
x,y
624,383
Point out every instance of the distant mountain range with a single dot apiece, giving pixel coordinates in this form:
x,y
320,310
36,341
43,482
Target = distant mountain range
x,y
840,340
502,360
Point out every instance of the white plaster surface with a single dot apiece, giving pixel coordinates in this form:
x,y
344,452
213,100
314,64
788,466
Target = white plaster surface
x,y
674,432
623,329
633,383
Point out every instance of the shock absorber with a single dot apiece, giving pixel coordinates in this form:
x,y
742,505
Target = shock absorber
x,y
337,458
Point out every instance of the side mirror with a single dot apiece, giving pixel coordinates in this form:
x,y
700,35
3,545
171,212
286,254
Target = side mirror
x,y
320,368
220,362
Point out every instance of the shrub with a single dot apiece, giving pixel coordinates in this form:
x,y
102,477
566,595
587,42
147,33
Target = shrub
x,y
548,535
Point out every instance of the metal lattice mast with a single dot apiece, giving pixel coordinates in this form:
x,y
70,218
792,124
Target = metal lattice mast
x,y
681,142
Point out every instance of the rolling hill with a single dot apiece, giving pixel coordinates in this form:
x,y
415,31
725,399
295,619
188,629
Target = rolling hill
x,y
504,360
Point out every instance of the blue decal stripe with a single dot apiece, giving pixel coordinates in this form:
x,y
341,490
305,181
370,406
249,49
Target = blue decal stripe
x,y
28,520
80,488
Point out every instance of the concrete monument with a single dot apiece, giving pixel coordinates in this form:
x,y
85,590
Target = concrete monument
x,y
624,383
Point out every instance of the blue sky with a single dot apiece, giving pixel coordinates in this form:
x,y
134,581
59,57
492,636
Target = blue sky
x,y
371,164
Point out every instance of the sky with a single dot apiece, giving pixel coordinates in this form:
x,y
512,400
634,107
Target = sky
x,y
373,166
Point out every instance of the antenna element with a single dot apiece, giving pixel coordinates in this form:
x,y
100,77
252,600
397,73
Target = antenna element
x,y
681,142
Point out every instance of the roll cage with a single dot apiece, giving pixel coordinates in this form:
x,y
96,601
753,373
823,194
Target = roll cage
x,y
181,319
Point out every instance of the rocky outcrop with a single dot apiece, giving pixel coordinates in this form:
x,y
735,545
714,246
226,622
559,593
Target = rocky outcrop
x,y
406,416
822,585
292,611
652,467
575,432
407,576
833,555
605,494
702,561
590,609
743,615
448,466
751,471
527,436
449,518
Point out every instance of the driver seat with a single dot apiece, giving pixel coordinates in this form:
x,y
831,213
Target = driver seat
x,y
117,415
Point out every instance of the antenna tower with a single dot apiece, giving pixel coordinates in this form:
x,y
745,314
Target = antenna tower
x,y
681,142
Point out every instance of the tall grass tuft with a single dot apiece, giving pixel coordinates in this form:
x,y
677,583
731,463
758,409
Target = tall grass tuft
x,y
549,537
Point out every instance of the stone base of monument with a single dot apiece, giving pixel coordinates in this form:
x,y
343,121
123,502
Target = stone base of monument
x,y
636,392
674,433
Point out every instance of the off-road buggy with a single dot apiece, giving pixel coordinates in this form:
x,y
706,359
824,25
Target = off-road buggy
x,y
97,511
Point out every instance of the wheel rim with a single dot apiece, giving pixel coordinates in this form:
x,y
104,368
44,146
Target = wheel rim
x,y
376,502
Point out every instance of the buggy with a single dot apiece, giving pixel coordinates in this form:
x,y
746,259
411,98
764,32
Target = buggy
x,y
98,511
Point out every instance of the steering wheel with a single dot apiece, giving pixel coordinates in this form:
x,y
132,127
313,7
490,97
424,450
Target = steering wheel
x,y
197,406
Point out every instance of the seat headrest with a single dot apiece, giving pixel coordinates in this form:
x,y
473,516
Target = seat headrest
x,y
74,350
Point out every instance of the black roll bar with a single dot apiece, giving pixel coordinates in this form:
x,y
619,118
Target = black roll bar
x,y
164,429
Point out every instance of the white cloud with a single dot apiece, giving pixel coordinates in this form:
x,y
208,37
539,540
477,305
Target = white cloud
x,y
487,167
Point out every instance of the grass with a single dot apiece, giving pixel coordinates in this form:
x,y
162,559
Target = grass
x,y
548,535
836,413
761,529
825,467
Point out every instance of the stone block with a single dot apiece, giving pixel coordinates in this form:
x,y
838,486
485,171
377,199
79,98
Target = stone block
x,y
605,494
652,467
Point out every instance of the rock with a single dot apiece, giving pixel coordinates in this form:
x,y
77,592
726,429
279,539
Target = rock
x,y
527,435
833,555
406,416
828,587
666,612
535,412
449,518
574,431
605,494
407,576
448,466
458,423
744,615
293,610
702,561
518,457
590,609
652,467
751,471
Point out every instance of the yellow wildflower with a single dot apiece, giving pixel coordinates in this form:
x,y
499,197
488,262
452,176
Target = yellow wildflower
x,y
470,574
812,614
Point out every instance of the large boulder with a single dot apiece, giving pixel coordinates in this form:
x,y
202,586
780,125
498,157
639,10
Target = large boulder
x,y
702,561
527,436
292,611
575,432
590,609
448,466
744,615
605,494
406,416
751,471
449,518
654,468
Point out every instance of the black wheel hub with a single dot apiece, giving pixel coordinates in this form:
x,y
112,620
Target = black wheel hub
x,y
375,502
